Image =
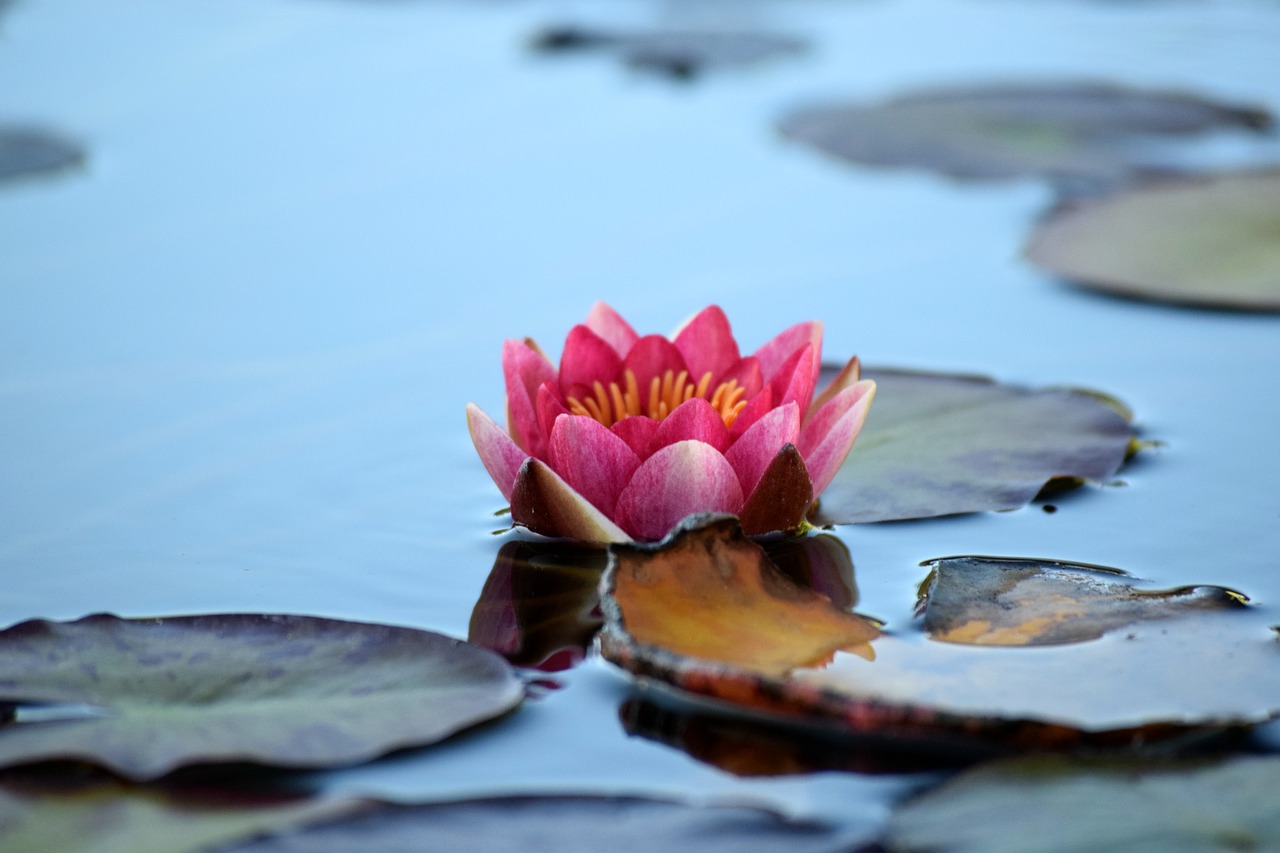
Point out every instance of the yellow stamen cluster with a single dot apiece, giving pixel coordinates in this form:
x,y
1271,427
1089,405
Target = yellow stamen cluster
x,y
613,403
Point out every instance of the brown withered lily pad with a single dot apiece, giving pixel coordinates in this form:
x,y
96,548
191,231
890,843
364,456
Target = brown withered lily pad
x,y
144,696
1166,679
566,824
1041,804
1006,601
675,53
1066,130
942,444
1210,241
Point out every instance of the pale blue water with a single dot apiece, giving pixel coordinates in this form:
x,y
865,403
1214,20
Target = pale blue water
x,y
235,348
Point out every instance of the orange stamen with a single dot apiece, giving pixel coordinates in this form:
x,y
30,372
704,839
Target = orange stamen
x,y
608,405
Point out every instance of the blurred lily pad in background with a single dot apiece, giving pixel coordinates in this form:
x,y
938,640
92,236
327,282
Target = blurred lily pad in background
x,y
1209,241
1056,130
676,53
942,444
33,151
142,697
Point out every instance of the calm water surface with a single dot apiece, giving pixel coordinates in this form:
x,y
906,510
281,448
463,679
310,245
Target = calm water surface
x,y
236,346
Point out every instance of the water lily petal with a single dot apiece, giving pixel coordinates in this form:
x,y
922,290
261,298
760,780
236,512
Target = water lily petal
x,y
692,419
755,409
775,352
546,504
707,344
751,454
828,436
746,372
637,432
652,356
548,406
610,326
501,456
592,460
680,479
797,377
587,358
524,368
782,498
848,375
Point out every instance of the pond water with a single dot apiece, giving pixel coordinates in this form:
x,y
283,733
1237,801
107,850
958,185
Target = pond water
x,y
236,344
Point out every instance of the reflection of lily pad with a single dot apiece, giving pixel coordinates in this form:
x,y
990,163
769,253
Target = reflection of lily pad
x,y
565,824
941,444
25,151
1209,241
1003,601
677,53
142,697
1054,130
1198,673
1036,805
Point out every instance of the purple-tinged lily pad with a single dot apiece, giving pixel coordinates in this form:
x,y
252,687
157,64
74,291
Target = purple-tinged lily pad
x,y
1007,601
942,444
1054,130
142,697
1037,805
675,53
565,824
30,151
1210,241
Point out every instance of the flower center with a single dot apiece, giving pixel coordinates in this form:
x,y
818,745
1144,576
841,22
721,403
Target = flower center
x,y
613,403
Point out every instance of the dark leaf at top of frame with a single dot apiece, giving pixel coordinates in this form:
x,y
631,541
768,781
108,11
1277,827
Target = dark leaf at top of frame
x,y
31,151
1057,130
939,444
142,697
1007,601
676,53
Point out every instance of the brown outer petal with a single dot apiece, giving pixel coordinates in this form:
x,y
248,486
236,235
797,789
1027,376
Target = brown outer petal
x,y
546,504
782,498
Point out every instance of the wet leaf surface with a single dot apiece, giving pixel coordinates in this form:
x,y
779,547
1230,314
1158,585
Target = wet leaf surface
x,y
142,697
1163,680
941,444
1053,804
42,813
566,824
29,150
1064,130
1211,241
675,53
1000,601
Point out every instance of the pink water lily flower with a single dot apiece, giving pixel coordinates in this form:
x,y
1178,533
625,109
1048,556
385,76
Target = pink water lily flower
x,y
634,433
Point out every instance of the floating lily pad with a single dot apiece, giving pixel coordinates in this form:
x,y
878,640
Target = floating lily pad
x,y
1003,601
1208,241
1054,130
1198,673
676,53
942,444
1053,804
142,697
566,824
74,815
28,150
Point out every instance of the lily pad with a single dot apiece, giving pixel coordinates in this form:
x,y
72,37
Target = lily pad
x,y
1004,601
1054,804
997,131
1169,679
942,444
144,696
1211,241
29,150
566,824
675,53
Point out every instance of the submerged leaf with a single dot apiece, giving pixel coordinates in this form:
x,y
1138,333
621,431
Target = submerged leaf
x,y
28,150
1005,601
1211,241
142,697
942,444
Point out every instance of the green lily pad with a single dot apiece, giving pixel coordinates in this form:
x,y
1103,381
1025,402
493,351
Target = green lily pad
x,y
1053,130
669,615
1006,601
942,444
29,150
144,696
566,824
1211,241
674,53
1037,805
